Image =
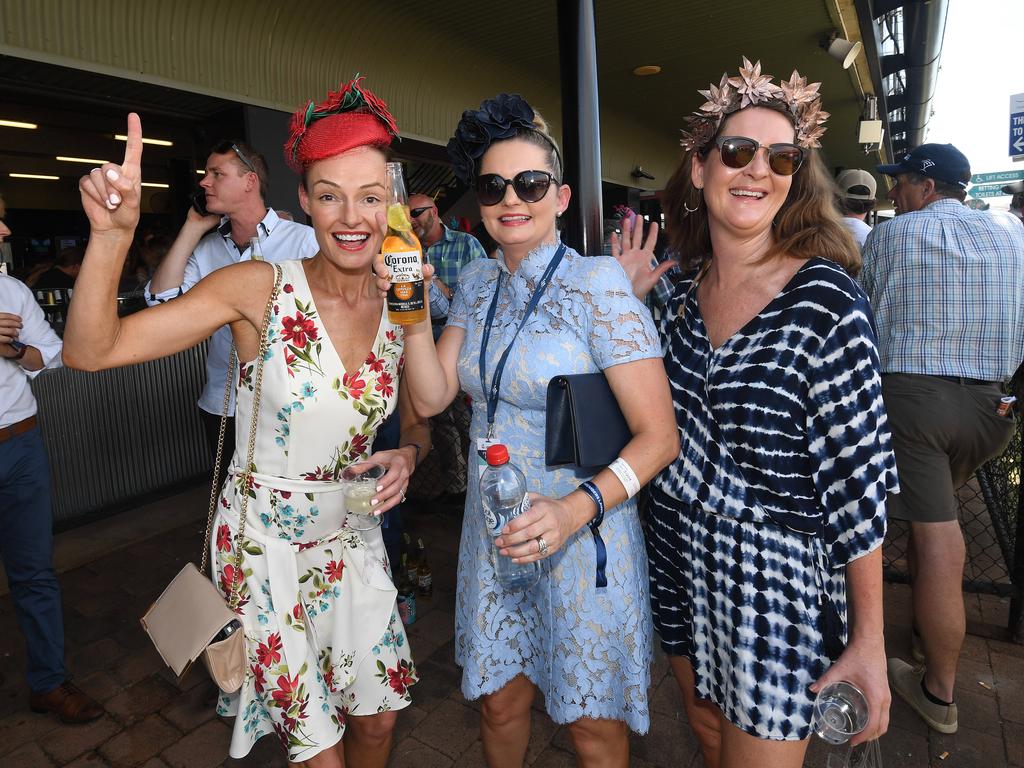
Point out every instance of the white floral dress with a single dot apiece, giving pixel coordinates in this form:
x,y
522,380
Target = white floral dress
x,y
322,633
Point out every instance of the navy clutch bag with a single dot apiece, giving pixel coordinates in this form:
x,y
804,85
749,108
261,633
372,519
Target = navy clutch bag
x,y
585,426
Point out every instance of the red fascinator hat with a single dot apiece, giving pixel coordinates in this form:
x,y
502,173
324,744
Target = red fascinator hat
x,y
348,118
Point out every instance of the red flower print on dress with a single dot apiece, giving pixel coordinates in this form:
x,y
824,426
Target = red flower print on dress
x,y
257,677
289,360
299,330
384,382
228,577
270,652
358,447
390,335
400,678
287,288
334,570
223,538
354,385
297,611
376,363
287,689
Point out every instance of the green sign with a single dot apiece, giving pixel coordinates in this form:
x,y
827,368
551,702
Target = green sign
x,y
1003,177
988,191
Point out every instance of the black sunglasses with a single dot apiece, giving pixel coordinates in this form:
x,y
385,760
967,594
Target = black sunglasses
x,y
416,212
530,186
739,152
245,160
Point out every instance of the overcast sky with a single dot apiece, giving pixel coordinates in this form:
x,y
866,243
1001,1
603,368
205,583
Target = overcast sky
x,y
982,64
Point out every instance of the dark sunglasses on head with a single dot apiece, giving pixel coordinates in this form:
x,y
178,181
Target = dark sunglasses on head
x,y
416,212
739,152
244,160
530,186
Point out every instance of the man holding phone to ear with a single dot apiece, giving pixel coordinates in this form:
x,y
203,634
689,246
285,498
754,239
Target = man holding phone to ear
x,y
232,198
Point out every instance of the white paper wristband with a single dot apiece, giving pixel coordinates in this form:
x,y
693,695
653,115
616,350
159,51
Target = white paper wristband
x,y
626,476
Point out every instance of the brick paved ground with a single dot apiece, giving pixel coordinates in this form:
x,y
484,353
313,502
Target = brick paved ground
x,y
153,723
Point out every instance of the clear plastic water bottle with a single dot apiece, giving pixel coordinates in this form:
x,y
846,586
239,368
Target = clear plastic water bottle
x,y
503,497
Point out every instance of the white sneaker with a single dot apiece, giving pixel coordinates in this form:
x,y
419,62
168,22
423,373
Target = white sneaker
x,y
905,681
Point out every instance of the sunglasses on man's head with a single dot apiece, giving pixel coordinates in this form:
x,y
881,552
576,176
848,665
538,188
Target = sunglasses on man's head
x,y
739,152
417,212
244,160
530,186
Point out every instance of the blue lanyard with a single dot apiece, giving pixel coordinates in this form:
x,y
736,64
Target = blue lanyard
x,y
495,388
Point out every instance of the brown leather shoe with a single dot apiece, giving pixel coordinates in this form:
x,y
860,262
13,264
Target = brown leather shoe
x,y
68,703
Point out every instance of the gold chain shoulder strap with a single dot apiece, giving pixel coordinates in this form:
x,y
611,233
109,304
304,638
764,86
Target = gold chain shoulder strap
x,y
243,481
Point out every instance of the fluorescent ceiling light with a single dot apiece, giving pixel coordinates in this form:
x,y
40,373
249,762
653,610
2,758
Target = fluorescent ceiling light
x,y
158,142
33,176
200,172
86,160
16,124
156,184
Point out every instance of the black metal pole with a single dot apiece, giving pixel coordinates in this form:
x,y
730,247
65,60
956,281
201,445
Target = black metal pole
x,y
581,125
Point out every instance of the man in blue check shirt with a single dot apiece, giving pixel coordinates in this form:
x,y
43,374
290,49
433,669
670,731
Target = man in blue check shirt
x,y
448,250
947,288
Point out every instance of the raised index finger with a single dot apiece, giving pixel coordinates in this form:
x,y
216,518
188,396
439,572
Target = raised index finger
x,y
133,147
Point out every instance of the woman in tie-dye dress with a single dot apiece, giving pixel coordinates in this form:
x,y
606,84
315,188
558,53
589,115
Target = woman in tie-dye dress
x,y
767,529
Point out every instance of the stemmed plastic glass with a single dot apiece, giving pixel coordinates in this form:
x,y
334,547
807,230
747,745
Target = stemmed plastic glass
x,y
360,490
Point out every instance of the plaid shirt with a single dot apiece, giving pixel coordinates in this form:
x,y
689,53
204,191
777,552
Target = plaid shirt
x,y
448,256
947,288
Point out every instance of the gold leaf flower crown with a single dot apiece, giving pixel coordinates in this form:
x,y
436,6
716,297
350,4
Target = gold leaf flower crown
x,y
750,89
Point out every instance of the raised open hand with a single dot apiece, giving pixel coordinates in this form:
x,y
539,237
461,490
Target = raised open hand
x,y
636,255
111,193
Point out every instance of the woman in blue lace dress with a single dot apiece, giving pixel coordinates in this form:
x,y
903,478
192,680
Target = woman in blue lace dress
x,y
586,648
770,521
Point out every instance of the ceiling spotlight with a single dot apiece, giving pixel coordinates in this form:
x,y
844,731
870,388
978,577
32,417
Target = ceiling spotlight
x,y
841,49
16,124
646,69
86,160
158,142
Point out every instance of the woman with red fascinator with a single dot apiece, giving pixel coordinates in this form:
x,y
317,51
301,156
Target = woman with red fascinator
x,y
327,656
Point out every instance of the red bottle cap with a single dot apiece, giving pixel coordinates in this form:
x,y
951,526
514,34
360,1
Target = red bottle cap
x,y
497,455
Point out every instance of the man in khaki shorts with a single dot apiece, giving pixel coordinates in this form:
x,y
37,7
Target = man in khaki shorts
x,y
947,288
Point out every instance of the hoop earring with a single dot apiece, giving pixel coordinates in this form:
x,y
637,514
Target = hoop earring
x,y
700,197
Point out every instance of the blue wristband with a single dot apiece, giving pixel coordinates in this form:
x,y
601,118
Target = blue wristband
x,y
601,554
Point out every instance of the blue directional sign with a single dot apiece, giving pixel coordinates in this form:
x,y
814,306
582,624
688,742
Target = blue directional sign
x,y
1017,126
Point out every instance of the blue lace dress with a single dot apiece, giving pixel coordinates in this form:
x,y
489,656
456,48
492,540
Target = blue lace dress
x,y
586,649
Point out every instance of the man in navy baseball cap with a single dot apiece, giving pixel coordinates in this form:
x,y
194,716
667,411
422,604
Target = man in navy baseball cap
x,y
946,285
927,173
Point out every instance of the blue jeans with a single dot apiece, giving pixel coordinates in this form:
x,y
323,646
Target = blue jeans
x,y
26,547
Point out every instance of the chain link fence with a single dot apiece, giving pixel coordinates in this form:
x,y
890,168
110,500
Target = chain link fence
x,y
990,517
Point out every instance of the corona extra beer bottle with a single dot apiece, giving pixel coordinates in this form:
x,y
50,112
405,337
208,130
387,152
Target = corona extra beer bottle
x,y
403,255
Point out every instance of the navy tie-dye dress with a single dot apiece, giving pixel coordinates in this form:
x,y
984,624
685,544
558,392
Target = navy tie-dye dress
x,y
780,482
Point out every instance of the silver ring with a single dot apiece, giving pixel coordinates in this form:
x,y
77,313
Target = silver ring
x,y
403,497
542,546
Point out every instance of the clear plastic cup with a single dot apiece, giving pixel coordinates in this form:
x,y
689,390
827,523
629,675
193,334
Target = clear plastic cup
x,y
840,712
360,490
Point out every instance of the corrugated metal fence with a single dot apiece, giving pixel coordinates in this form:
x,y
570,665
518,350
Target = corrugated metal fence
x,y
120,435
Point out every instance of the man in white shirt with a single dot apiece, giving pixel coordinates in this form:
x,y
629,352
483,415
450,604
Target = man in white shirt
x,y
27,345
857,190
236,187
